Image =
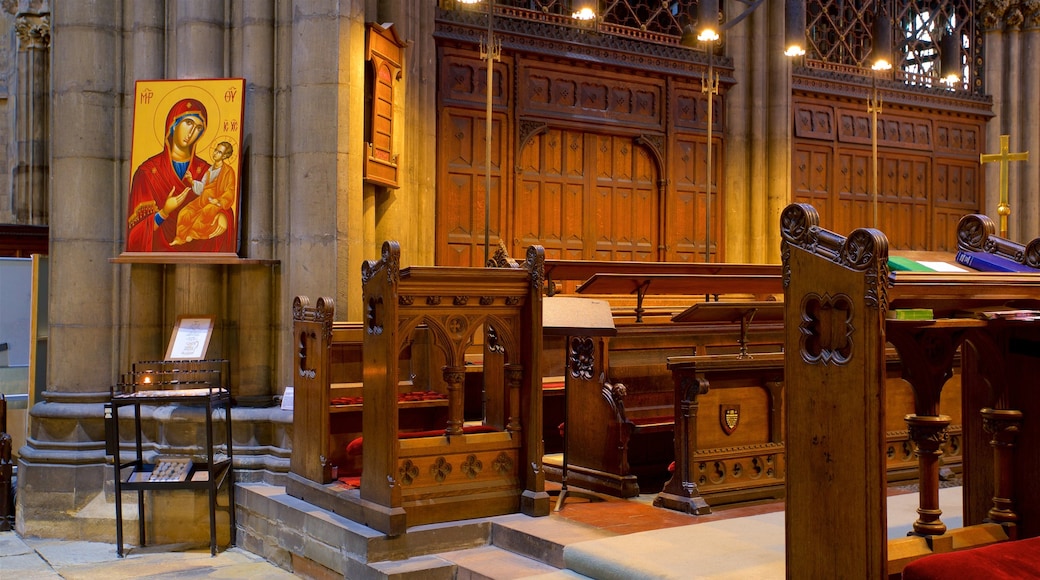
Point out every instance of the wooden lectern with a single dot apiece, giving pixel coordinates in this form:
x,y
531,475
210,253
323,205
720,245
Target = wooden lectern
x,y
579,320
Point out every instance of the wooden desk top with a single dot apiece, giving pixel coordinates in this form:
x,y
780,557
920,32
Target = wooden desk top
x,y
726,362
644,283
731,311
585,269
945,291
576,316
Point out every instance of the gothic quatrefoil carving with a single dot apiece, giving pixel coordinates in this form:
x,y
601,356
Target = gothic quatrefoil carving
x,y
826,329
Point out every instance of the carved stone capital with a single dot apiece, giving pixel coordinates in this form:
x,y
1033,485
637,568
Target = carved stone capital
x,y
34,31
991,13
1031,13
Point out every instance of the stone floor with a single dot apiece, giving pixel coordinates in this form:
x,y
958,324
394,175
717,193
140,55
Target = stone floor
x,y
31,558
39,559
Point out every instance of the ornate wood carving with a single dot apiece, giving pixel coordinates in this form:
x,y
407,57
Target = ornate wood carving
x,y
864,250
563,91
977,233
385,57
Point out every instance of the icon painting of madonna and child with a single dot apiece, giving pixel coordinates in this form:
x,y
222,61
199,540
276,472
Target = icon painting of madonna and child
x,y
186,161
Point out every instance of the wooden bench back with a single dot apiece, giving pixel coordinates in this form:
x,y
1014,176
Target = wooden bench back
x,y
837,292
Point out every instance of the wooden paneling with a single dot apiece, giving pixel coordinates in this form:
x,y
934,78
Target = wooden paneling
x,y
928,170
624,204
685,209
460,207
578,94
812,176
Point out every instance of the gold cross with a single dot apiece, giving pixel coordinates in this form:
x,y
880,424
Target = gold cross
x,y
1003,209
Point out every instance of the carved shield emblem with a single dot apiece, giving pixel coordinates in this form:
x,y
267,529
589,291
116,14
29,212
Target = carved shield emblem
x,y
729,417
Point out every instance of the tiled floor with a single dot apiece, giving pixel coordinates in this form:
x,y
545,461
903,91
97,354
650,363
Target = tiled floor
x,y
627,516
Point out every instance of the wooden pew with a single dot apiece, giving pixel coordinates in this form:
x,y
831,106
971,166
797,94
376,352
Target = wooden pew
x,y
837,291
715,464
424,318
629,413
629,418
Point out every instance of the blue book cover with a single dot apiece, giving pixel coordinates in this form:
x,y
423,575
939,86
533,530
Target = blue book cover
x,y
986,262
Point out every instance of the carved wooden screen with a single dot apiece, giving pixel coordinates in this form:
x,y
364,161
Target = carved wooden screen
x,y
589,164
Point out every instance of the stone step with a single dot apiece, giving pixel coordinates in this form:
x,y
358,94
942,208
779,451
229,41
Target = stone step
x,y
297,535
542,539
491,563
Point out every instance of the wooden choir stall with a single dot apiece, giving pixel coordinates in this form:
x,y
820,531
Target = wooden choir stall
x,y
427,317
840,297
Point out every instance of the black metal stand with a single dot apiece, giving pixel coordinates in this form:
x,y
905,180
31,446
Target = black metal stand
x,y
209,476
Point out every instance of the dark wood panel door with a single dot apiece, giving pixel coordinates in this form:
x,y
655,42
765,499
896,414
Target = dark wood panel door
x,y
812,179
623,215
549,205
686,205
587,196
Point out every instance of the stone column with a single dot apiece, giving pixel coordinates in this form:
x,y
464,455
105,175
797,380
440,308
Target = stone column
x,y
1010,119
62,468
199,50
255,299
324,89
756,162
408,214
991,20
142,284
1030,125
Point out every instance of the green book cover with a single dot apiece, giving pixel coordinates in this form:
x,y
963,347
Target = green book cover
x,y
911,314
900,263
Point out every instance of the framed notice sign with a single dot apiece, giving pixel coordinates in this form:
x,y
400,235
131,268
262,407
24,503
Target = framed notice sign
x,y
190,338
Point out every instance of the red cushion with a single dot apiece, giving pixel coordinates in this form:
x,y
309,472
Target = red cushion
x,y
354,447
404,397
1011,560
